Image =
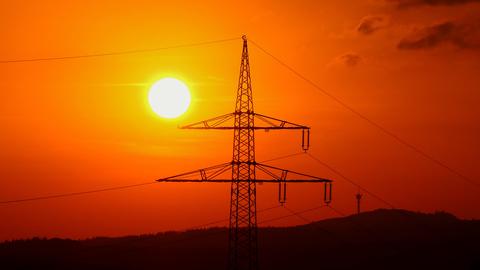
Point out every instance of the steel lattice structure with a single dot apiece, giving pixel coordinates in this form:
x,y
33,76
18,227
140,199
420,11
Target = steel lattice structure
x,y
243,245
243,208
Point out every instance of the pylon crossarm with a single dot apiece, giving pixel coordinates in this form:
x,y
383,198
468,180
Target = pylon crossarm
x,y
204,174
281,181
211,123
282,174
275,123
220,122
272,181
232,127
225,122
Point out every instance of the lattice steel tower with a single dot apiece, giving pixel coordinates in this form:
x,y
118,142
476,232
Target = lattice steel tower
x,y
243,207
243,245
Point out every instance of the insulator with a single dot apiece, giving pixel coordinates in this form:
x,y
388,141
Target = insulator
x,y
305,139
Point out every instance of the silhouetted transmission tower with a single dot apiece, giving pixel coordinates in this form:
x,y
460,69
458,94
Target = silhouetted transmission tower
x,y
243,248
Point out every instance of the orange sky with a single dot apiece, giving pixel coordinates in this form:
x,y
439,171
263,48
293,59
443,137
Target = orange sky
x,y
84,124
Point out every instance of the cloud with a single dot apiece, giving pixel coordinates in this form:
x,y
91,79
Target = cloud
x,y
372,23
463,35
413,3
349,59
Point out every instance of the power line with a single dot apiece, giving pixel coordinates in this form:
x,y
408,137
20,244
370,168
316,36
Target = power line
x,y
382,241
196,44
196,227
291,215
71,194
339,101
367,119
214,232
298,215
340,213
333,235
75,193
349,180
226,219
283,157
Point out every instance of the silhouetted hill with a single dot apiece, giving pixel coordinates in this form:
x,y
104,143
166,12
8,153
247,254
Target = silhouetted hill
x,y
381,239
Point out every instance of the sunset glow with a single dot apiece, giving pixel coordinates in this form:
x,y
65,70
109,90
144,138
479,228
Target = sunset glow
x,y
169,98
73,124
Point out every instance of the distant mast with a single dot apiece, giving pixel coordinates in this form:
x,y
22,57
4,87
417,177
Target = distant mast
x,y
358,196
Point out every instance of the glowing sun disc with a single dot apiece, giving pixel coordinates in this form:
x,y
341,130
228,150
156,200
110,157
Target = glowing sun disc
x,y
169,98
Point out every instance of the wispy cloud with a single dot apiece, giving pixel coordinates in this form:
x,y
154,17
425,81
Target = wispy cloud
x,y
372,23
349,59
463,35
413,3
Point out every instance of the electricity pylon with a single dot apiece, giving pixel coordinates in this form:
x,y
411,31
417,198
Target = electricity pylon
x,y
243,248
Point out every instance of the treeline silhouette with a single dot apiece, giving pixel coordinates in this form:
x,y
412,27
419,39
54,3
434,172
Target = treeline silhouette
x,y
381,239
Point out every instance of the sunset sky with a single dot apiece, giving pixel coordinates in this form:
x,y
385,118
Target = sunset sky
x,y
412,66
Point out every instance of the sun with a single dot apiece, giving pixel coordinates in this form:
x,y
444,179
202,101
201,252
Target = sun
x,y
169,98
